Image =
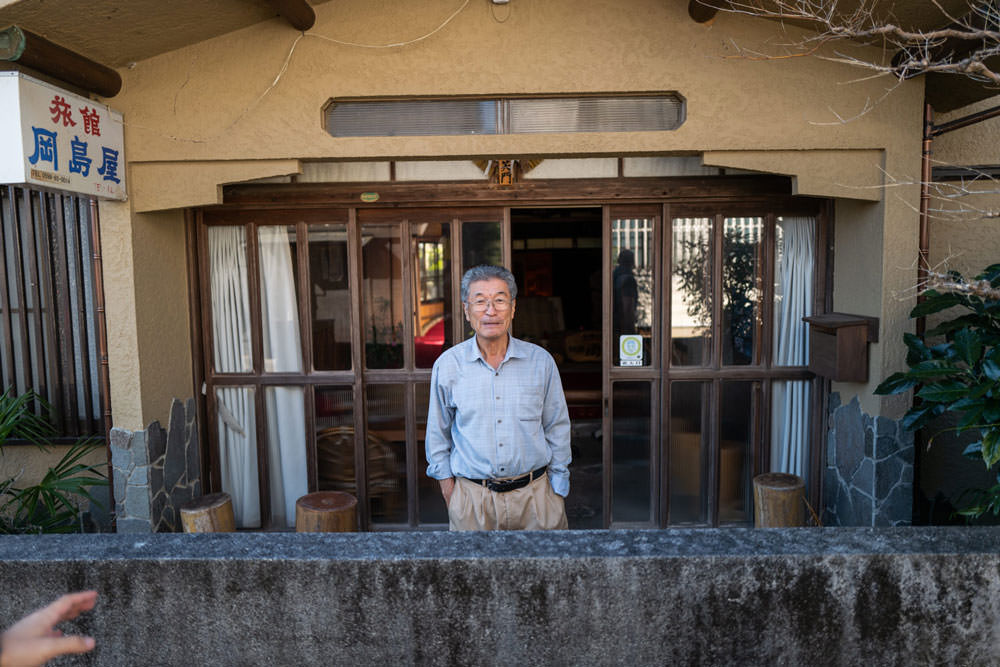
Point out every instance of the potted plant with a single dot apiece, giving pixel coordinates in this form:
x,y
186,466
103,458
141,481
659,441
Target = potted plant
x,y
955,367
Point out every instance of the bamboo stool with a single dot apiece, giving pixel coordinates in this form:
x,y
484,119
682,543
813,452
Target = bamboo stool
x,y
209,514
779,500
326,512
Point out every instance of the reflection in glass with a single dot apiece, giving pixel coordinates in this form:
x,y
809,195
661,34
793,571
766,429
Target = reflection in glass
x,y
227,261
430,501
386,452
632,289
432,319
735,446
237,437
335,439
278,303
481,244
631,440
688,452
691,292
382,296
330,297
288,477
741,292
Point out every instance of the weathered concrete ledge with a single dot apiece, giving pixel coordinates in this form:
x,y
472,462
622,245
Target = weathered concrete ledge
x,y
897,596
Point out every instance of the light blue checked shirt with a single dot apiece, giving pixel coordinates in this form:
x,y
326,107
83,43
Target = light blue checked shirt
x,y
484,423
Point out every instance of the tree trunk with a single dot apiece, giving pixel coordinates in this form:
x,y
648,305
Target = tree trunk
x,y
326,512
779,500
209,514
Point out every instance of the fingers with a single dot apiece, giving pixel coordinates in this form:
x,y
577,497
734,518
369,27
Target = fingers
x,y
69,606
72,644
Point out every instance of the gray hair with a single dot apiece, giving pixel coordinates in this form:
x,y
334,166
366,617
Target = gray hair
x,y
487,272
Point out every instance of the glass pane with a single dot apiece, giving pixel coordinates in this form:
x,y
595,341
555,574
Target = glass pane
x,y
741,293
278,301
432,319
227,266
688,452
386,452
631,440
382,296
335,440
481,244
691,292
790,427
735,447
378,118
430,501
794,267
288,474
632,290
237,436
330,297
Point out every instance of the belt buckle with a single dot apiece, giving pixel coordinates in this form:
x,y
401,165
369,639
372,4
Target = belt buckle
x,y
498,486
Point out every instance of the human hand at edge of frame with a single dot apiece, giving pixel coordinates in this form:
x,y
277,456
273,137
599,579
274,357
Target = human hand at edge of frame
x,y
34,640
447,488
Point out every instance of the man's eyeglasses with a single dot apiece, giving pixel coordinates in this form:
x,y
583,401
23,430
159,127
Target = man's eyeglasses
x,y
500,303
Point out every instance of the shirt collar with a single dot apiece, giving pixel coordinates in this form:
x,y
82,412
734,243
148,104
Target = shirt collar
x,y
516,348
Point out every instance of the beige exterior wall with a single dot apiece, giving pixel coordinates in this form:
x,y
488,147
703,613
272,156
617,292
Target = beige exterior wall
x,y
965,235
248,105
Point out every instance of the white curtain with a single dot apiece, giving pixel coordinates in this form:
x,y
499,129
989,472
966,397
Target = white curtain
x,y
793,300
236,420
286,427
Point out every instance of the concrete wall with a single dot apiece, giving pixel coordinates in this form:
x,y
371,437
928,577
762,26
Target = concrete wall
x,y
734,597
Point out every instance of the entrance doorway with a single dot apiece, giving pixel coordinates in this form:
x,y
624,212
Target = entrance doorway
x,y
556,259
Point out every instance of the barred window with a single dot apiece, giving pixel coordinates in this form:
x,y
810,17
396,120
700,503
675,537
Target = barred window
x,y
48,305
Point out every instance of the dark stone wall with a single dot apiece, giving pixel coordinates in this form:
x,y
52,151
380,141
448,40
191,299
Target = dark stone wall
x,y
156,471
868,479
895,596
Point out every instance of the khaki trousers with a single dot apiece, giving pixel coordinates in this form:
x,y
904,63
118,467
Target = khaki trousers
x,y
533,507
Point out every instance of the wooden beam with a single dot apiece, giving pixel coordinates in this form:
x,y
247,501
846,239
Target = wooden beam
x,y
28,49
297,12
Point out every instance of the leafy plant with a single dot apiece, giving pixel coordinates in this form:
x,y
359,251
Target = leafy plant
x,y
51,505
956,369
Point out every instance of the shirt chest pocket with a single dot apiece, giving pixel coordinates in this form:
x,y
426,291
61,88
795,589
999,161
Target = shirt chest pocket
x,y
529,409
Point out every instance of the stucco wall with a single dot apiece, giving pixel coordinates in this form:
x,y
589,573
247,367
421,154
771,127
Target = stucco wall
x,y
965,231
248,104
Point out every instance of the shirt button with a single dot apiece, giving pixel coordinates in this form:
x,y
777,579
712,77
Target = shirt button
x,y
498,398
499,421
500,445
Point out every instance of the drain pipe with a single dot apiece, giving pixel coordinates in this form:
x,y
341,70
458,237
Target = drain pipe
x,y
924,241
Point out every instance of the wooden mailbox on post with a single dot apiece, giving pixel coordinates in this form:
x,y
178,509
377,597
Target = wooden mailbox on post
x,y
838,345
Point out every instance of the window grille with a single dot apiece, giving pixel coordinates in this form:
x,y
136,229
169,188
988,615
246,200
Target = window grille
x,y
48,305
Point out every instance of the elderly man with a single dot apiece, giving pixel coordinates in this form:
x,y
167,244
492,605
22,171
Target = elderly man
x,y
498,434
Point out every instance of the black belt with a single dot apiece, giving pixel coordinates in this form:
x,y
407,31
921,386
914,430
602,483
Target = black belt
x,y
505,485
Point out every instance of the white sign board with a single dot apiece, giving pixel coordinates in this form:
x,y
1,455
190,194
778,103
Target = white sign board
x,y
630,350
54,139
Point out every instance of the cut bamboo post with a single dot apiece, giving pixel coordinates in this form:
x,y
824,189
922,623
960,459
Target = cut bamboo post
x,y
326,512
209,514
779,500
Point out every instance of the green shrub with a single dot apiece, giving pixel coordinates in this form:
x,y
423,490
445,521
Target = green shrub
x,y
51,505
956,369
